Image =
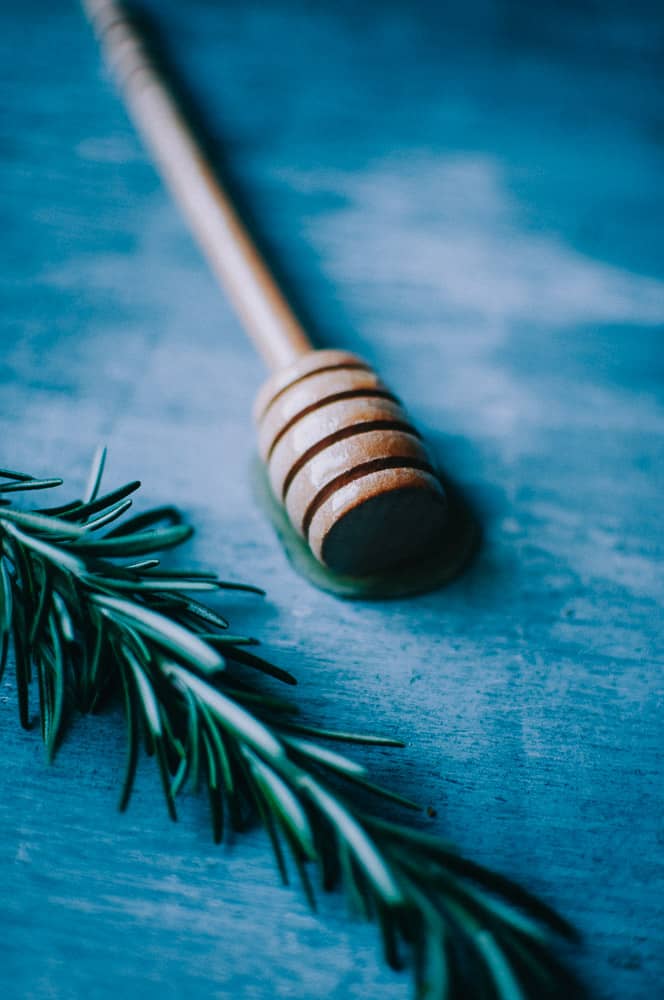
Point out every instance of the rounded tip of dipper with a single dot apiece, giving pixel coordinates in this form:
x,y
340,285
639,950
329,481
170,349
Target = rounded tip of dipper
x,y
383,520
342,456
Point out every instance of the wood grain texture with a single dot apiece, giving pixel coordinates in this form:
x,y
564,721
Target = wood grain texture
x,y
472,201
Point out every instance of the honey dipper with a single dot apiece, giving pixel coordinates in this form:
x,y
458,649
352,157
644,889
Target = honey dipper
x,y
341,454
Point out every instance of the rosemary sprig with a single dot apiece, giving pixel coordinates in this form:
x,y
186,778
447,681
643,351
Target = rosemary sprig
x,y
88,625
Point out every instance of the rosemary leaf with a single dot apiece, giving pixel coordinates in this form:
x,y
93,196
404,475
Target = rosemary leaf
x,y
59,557
43,523
81,511
132,743
256,663
6,613
335,761
29,484
230,715
173,637
285,803
96,473
365,851
23,476
138,544
112,513
343,737
139,522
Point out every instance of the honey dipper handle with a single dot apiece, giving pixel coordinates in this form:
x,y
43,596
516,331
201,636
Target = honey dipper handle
x,y
265,313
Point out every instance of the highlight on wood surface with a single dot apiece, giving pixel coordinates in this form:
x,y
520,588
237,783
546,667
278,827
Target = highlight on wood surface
x,y
95,621
352,471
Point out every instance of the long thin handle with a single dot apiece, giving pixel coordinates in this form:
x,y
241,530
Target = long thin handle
x,y
265,313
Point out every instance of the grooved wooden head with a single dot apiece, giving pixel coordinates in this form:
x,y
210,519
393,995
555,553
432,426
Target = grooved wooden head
x,y
352,471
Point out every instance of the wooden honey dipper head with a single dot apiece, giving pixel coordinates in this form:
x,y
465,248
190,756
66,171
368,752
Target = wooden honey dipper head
x,y
342,456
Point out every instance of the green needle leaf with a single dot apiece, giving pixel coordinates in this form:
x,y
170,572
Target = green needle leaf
x,y
234,718
143,565
96,473
287,805
58,689
79,511
6,614
60,557
228,640
322,755
132,743
138,544
149,519
146,694
363,848
42,523
258,663
501,970
111,514
29,484
343,737
8,474
168,634
159,584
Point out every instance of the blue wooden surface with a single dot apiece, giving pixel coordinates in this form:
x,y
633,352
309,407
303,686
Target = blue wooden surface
x,y
472,199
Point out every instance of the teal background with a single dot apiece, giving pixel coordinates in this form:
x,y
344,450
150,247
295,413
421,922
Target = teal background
x,y
471,197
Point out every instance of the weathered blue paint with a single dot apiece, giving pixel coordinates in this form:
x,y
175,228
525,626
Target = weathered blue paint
x,y
473,200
